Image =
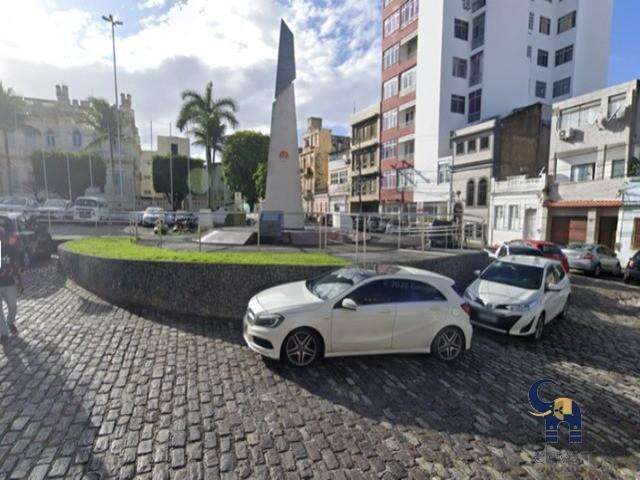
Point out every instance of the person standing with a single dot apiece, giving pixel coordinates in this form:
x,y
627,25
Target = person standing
x,y
10,284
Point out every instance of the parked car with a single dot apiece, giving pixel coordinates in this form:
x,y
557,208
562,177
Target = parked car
x,y
56,209
19,204
506,249
592,258
185,221
442,234
91,209
31,238
549,250
632,272
151,215
392,227
519,295
355,311
377,224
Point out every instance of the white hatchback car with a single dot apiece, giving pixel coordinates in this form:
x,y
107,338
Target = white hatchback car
x,y
354,311
519,295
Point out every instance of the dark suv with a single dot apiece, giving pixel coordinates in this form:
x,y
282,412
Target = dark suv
x,y
31,238
632,272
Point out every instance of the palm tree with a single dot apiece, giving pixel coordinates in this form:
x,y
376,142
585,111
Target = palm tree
x,y
10,104
206,119
101,118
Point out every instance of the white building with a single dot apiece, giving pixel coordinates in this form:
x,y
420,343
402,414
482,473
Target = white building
x,y
629,221
477,59
338,185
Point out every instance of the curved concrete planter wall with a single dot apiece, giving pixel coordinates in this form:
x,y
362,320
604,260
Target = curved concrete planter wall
x,y
221,291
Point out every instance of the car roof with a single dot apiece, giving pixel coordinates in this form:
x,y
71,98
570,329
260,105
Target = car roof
x,y
528,260
403,271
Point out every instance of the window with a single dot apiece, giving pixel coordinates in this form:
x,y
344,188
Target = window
x,y
541,89
616,107
545,25
408,80
406,179
529,51
471,193
635,239
482,192
392,23
460,148
412,291
391,56
498,221
407,117
174,149
390,119
457,104
472,146
477,34
484,143
408,12
567,22
50,139
617,168
564,55
459,67
514,217
475,105
532,20
562,87
390,149
390,88
374,293
389,179
76,138
444,173
461,29
583,173
543,58
477,5
582,115
475,76
387,2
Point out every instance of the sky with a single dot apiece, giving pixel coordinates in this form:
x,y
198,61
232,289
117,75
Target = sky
x,y
167,46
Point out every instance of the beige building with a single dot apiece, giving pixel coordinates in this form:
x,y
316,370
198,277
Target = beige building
x,y
318,143
165,145
364,174
594,154
55,125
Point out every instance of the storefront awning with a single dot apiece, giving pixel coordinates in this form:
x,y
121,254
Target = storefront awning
x,y
584,204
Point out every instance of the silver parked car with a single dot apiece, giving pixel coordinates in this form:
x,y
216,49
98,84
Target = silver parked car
x,y
592,258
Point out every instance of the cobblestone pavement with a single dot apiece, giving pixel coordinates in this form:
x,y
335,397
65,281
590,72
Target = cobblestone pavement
x,y
93,390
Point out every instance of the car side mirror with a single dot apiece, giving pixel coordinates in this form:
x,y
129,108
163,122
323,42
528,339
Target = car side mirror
x,y
349,304
477,273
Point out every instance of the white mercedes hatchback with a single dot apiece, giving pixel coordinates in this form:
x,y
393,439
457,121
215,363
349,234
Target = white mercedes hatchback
x,y
519,295
354,311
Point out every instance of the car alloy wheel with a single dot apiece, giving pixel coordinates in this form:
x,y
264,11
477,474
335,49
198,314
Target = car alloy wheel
x,y
449,343
302,348
617,271
539,328
597,271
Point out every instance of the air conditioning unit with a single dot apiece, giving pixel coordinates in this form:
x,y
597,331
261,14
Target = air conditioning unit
x,y
566,134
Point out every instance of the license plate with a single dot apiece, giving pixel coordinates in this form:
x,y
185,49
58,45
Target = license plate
x,y
487,317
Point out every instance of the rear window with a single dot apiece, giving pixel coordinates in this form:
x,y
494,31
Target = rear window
x,y
551,249
531,252
86,202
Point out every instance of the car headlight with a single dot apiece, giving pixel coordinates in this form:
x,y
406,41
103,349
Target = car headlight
x,y
521,307
269,320
468,296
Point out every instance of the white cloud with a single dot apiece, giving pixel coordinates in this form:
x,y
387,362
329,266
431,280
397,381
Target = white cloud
x,y
151,4
232,44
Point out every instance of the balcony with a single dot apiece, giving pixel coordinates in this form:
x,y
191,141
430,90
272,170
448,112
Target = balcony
x,y
409,50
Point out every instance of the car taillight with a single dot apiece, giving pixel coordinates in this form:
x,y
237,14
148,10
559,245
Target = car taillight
x,y
587,256
467,308
13,240
632,264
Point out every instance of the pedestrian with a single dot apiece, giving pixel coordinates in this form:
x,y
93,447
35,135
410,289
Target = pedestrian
x,y
10,285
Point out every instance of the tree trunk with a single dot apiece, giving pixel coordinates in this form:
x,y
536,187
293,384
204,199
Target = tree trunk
x,y
6,152
113,165
210,160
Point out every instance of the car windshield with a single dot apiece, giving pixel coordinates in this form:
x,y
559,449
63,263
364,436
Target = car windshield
x,y
154,210
522,250
528,277
15,201
86,202
335,283
576,246
55,202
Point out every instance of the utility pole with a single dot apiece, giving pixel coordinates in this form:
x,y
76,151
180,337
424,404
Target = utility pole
x,y
171,163
114,23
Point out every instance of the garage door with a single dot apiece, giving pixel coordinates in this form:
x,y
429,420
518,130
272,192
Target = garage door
x,y
568,229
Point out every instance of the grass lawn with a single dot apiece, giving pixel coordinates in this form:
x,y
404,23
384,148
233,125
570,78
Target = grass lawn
x,y
125,249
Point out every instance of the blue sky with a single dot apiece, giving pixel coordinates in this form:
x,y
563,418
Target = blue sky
x,y
167,46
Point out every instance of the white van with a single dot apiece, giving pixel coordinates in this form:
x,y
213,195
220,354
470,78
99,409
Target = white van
x,y
91,209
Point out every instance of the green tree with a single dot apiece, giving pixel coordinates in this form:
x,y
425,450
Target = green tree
x,y
162,177
242,155
206,119
10,108
260,180
82,167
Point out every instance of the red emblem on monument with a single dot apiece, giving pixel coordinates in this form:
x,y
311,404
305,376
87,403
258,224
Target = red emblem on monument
x,y
284,155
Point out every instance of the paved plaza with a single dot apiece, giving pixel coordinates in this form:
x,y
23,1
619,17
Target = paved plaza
x,y
90,390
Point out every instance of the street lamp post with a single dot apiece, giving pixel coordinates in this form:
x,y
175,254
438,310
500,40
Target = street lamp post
x,y
114,23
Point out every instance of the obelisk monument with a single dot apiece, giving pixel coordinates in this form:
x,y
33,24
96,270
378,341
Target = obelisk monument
x,y
284,191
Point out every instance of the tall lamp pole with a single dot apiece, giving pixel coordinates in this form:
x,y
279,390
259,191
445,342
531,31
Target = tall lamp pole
x,y
115,23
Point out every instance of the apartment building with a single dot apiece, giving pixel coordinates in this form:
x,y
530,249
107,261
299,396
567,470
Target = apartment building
x,y
318,143
339,186
447,64
364,174
594,159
